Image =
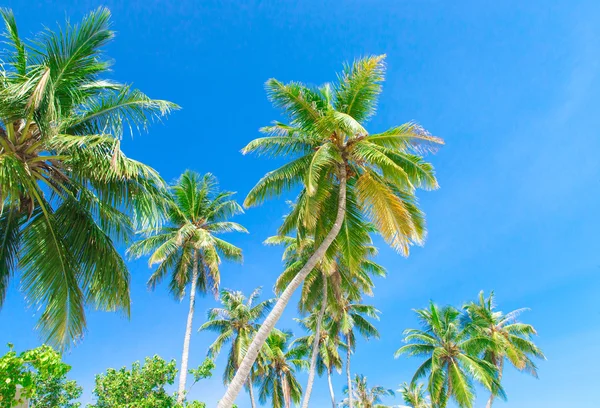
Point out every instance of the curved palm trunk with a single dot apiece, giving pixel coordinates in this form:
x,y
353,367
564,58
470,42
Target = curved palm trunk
x,y
261,336
348,374
188,333
331,388
315,346
500,366
251,392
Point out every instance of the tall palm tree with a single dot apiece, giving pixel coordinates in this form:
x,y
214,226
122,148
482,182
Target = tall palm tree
x,y
343,168
236,322
328,345
68,194
414,395
187,247
279,363
364,396
510,339
351,317
451,353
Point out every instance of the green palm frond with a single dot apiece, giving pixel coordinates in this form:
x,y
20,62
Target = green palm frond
x,y
359,87
277,181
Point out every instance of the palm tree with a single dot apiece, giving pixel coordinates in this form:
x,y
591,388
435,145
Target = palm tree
x,y
236,322
68,194
344,170
511,340
414,395
328,344
279,362
352,316
187,247
451,362
365,397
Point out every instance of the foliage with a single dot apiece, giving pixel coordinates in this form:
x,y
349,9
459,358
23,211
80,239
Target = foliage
x,y
40,375
346,174
451,353
329,343
235,323
414,395
462,348
278,364
364,396
204,370
143,386
326,133
68,193
509,339
196,214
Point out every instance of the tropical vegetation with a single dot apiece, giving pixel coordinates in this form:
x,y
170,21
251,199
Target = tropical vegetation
x,y
348,175
277,369
365,396
68,193
510,339
38,375
461,349
236,322
70,197
186,247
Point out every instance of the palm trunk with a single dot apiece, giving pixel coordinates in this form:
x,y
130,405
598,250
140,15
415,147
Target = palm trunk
x,y
263,332
188,333
331,388
315,346
286,392
348,353
500,366
251,392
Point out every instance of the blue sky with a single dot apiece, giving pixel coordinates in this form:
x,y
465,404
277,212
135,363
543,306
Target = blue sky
x,y
512,87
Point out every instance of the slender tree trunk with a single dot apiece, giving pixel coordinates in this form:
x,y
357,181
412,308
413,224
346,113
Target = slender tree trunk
x,y
331,388
500,366
286,391
188,333
251,392
263,332
348,374
315,346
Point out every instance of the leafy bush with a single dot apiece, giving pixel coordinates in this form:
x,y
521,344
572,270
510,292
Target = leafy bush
x,y
41,376
144,385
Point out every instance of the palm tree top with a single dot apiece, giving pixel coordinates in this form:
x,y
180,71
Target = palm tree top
x,y
511,338
68,193
197,213
235,322
365,396
326,132
451,354
414,395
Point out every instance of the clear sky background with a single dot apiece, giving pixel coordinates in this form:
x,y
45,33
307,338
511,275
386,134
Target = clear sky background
x,y
513,88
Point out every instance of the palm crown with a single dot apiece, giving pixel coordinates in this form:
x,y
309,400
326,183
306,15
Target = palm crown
x,y
365,396
414,395
67,191
328,141
509,339
451,352
235,322
277,369
197,213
